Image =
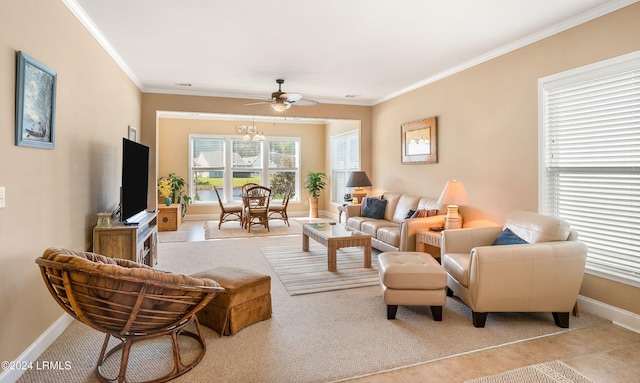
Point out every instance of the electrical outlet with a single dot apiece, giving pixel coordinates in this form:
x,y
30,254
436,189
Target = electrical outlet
x,y
2,203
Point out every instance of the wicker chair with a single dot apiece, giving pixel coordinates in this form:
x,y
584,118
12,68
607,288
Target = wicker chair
x,y
228,211
127,301
280,211
256,205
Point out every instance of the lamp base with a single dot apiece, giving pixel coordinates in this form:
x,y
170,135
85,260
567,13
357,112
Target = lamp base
x,y
453,220
359,193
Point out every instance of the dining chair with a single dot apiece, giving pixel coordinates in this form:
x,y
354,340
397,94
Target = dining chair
x,y
256,206
247,186
279,211
228,211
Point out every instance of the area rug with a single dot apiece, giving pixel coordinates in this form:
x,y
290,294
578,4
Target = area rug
x,y
172,236
232,229
549,372
305,272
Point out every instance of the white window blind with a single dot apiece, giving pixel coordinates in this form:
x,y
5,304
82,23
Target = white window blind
x,y
345,158
590,142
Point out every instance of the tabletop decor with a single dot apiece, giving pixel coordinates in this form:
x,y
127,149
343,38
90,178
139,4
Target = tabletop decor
x,y
164,188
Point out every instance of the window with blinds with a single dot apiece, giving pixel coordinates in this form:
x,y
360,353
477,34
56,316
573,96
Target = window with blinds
x,y
590,161
345,158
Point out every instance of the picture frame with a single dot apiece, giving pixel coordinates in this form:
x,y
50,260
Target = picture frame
x,y
418,141
35,103
133,134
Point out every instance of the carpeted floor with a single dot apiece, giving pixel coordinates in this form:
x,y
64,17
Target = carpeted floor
x,y
172,236
319,337
549,372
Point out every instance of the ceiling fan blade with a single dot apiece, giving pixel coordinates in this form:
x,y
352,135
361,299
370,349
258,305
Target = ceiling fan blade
x,y
291,97
260,103
305,102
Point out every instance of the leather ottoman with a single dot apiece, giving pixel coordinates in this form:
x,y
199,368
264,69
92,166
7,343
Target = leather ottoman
x,y
245,301
412,279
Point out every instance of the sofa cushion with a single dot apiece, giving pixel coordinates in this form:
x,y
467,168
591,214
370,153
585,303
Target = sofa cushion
x,y
357,221
457,265
392,203
389,235
405,203
372,226
428,204
374,208
507,237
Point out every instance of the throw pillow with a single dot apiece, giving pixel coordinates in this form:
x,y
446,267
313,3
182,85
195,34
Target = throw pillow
x,y
425,213
507,237
374,208
410,214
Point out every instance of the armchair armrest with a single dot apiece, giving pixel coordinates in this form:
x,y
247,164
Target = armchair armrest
x,y
463,240
411,225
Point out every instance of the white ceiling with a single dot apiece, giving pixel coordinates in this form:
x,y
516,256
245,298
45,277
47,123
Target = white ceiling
x,y
327,50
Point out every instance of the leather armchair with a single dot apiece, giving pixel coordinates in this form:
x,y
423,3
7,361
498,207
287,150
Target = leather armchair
x,y
543,275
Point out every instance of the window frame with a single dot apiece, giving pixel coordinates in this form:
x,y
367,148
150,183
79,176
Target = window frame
x,y
228,167
335,196
611,229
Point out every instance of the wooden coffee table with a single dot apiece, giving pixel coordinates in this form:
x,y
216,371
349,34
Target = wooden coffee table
x,y
335,236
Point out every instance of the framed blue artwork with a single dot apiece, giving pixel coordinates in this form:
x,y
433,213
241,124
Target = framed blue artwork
x,y
35,103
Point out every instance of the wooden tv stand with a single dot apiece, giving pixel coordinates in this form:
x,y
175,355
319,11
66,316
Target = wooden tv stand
x,y
138,243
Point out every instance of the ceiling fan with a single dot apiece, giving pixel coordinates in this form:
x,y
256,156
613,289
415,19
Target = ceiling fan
x,y
281,101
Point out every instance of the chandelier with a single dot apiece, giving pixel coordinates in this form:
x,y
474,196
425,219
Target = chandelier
x,y
250,133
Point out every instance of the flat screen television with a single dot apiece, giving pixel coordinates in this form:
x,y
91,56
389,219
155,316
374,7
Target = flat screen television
x,y
135,180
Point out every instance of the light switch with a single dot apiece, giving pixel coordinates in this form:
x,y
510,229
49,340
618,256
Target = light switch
x,y
1,196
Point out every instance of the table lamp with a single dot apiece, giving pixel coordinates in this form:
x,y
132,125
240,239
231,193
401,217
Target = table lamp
x,y
358,180
453,195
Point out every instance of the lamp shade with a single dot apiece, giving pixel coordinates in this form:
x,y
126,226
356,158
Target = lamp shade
x,y
454,193
358,179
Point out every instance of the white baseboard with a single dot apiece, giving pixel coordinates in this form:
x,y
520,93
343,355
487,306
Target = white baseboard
x,y
36,349
622,318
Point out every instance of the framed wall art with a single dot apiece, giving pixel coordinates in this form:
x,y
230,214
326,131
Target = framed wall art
x,y
35,103
419,141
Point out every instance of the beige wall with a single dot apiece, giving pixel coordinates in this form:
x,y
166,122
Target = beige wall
x,y
53,195
314,151
173,149
488,128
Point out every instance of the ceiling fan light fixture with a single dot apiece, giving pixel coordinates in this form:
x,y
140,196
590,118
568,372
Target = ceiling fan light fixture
x,y
281,106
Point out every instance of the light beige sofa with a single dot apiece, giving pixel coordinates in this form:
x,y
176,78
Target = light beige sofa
x,y
543,275
395,232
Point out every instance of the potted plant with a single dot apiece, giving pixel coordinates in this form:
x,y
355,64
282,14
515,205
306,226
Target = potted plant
x,y
177,194
314,182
